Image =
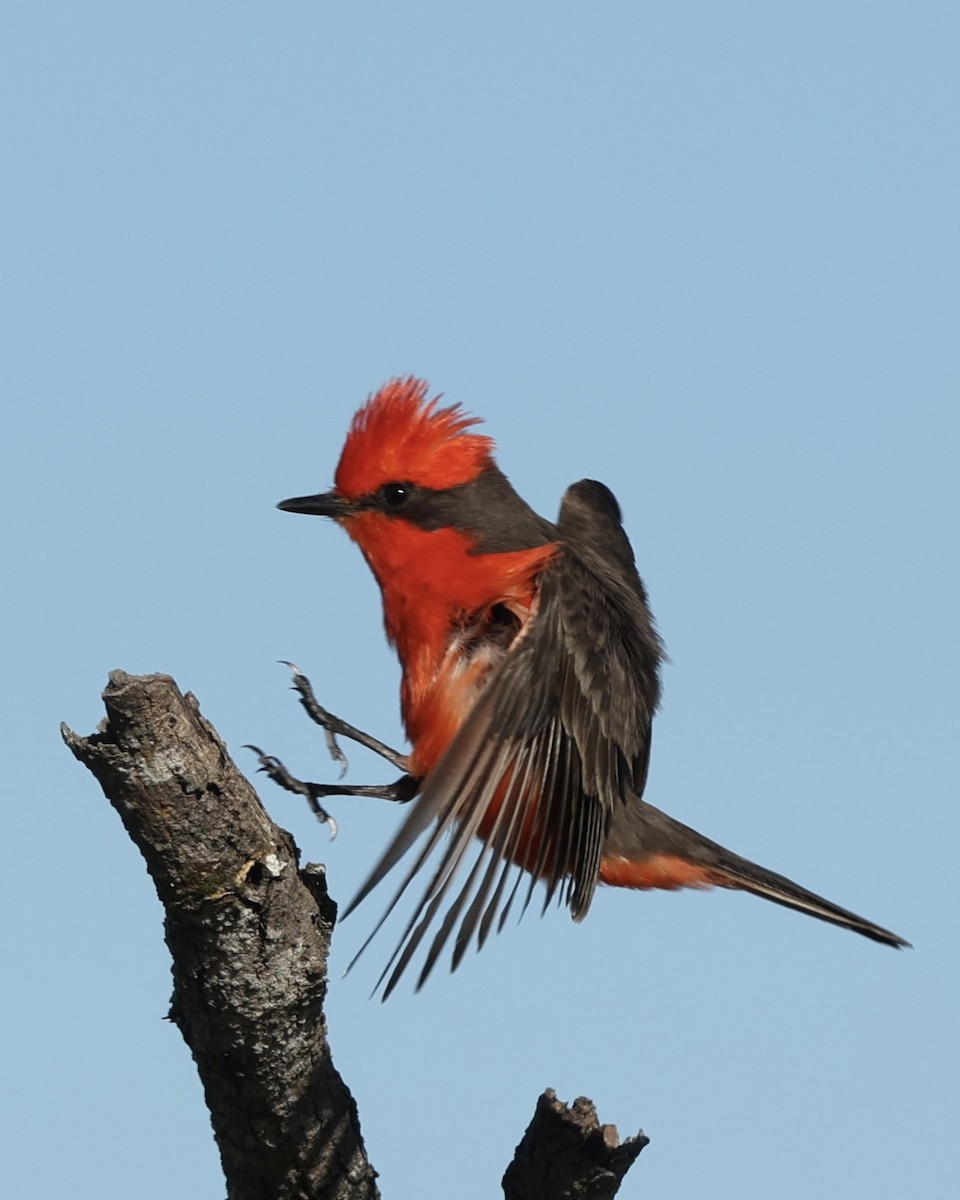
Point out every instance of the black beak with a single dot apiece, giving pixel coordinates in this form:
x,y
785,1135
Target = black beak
x,y
327,504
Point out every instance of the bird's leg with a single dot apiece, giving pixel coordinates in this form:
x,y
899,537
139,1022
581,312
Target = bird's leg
x,y
332,726
402,791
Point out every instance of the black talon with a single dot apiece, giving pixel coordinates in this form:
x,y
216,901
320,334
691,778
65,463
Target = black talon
x,y
403,790
333,725
274,769
317,713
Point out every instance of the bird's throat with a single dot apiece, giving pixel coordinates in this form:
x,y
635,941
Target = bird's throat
x,y
450,612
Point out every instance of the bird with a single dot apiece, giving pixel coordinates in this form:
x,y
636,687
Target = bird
x,y
530,676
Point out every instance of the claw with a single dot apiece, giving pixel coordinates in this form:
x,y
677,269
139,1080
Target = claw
x,y
274,768
327,721
338,756
268,762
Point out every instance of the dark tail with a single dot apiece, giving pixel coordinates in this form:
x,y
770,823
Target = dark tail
x,y
651,834
735,872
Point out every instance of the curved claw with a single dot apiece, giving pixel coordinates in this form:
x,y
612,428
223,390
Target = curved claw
x,y
336,753
268,762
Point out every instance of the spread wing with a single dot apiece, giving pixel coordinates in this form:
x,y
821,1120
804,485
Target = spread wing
x,y
559,737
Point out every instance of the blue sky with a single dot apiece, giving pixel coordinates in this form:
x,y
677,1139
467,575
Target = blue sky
x,y
705,253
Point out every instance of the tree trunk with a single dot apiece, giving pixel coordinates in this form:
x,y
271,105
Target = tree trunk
x,y
249,932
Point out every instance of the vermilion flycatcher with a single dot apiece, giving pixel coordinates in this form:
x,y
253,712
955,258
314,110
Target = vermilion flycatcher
x,y
530,680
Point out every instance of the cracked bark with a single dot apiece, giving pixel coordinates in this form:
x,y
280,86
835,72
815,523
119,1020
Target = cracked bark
x,y
249,931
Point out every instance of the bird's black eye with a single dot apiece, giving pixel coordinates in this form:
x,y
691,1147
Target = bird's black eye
x,y
395,495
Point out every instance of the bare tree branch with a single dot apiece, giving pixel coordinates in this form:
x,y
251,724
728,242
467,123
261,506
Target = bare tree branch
x,y
249,936
249,933
566,1154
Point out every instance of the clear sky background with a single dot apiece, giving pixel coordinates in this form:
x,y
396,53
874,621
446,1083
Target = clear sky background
x,y
707,253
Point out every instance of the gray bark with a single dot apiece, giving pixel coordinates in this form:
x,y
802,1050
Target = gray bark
x,y
249,933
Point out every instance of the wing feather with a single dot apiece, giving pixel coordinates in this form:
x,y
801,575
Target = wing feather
x,y
558,739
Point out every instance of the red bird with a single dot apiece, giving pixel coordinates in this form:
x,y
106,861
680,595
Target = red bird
x,y
530,680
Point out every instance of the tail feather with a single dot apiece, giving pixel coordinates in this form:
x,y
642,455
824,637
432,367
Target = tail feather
x,y
746,876
647,848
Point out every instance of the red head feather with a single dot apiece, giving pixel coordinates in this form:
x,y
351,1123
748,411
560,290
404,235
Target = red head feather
x,y
400,436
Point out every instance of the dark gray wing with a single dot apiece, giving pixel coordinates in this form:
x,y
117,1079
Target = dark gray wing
x,y
558,738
